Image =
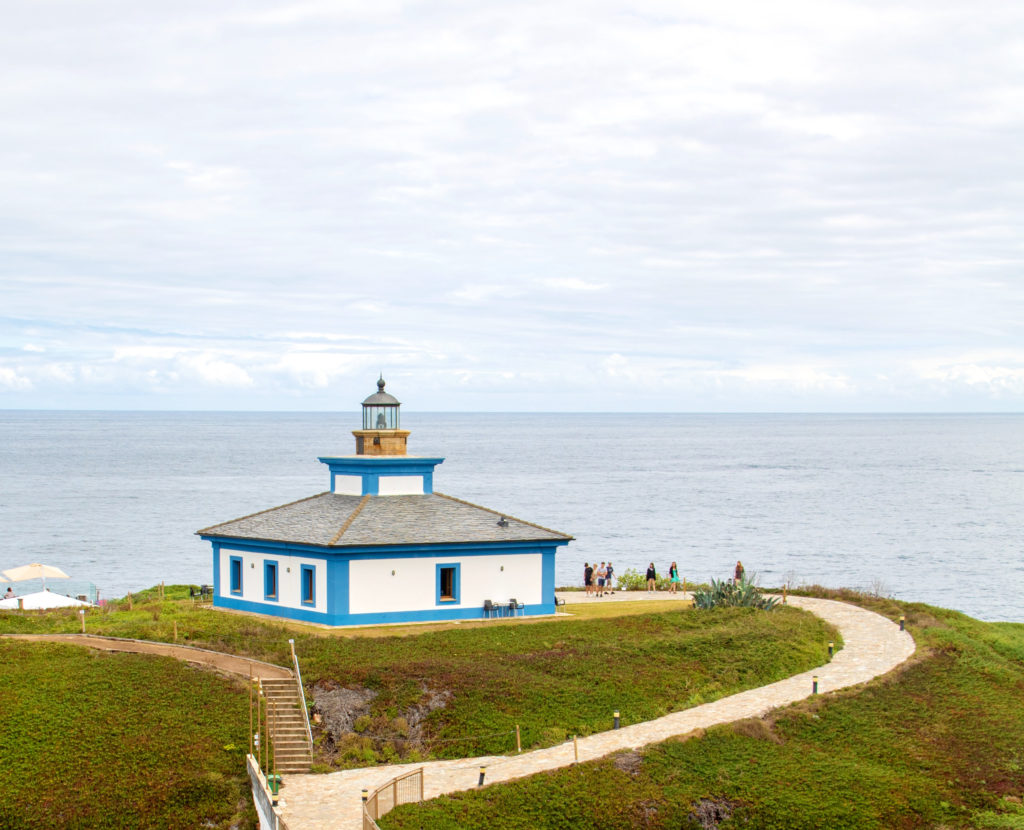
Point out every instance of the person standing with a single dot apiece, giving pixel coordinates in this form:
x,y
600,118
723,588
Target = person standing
x,y
673,578
602,573
652,578
608,578
588,578
739,572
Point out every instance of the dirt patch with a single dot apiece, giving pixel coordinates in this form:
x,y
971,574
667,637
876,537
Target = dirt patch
x,y
338,708
708,812
346,728
628,762
759,729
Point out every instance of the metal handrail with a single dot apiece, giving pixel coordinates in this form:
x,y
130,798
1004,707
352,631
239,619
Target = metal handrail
x,y
302,699
371,804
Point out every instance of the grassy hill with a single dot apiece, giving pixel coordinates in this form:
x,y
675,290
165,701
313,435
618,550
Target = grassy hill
x,y
107,740
937,744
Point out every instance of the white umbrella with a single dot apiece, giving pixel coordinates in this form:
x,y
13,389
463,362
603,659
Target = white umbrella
x,y
40,600
35,571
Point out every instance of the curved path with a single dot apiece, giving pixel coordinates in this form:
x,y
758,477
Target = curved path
x,y
190,654
873,646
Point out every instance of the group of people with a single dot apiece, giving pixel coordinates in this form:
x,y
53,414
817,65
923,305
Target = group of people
x,y
603,574
673,578
603,577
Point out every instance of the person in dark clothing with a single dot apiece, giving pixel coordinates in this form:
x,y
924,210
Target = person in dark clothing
x,y
588,578
652,584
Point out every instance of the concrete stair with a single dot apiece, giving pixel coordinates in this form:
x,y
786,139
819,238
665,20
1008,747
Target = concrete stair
x,y
293,752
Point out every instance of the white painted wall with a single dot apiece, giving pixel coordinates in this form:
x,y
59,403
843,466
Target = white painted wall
x,y
400,485
348,485
289,586
373,588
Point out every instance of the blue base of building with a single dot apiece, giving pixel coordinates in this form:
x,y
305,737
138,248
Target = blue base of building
x,y
426,615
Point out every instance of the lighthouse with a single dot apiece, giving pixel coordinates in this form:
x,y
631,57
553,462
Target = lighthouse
x,y
382,546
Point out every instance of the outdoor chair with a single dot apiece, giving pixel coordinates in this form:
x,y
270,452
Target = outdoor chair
x,y
489,608
515,605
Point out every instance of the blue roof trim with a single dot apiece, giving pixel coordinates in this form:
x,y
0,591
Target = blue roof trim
x,y
388,465
387,551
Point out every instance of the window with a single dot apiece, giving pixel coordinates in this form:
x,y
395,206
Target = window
x,y
447,583
270,580
236,574
308,585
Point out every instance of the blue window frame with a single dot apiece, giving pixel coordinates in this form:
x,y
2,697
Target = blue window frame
x,y
271,589
448,583
307,585
236,574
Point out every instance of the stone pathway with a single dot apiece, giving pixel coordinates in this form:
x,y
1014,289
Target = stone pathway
x,y
873,645
190,654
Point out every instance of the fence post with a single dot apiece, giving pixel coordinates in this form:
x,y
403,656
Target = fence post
x,y
519,743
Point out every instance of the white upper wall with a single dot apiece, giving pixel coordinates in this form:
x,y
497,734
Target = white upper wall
x,y
413,586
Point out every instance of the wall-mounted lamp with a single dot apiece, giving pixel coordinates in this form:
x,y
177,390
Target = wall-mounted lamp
x,y
392,573
503,567
252,564
288,570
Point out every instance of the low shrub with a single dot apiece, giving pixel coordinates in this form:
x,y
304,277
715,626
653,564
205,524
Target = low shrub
x,y
735,594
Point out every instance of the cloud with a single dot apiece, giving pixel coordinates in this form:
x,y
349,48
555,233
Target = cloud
x,y
11,380
797,204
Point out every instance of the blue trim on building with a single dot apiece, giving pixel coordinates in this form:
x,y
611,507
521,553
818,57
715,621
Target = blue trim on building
x,y
389,465
336,572
547,576
271,576
427,615
456,584
216,569
386,551
337,586
236,585
309,570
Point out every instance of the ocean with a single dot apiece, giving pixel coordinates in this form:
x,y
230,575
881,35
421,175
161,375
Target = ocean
x,y
922,507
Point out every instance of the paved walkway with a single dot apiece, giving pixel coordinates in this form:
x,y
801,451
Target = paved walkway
x,y
190,654
873,646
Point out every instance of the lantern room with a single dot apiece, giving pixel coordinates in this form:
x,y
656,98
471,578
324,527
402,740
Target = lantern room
x,y
380,434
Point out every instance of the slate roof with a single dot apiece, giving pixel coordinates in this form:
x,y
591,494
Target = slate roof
x,y
330,520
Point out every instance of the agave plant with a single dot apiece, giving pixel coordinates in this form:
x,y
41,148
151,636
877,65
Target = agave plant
x,y
742,593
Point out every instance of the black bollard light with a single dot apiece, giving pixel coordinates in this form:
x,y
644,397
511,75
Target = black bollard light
x,y
366,794
480,783
903,622
831,648
814,686
617,720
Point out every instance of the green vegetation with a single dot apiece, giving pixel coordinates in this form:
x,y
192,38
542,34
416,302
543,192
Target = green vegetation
x,y
742,594
90,739
937,744
460,689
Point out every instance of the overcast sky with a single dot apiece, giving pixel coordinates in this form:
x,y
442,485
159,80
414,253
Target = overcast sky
x,y
710,206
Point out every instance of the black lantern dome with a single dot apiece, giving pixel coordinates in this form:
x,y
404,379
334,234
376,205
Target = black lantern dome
x,y
380,410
